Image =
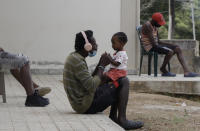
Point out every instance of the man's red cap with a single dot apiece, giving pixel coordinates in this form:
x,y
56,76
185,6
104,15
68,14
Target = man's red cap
x,y
158,17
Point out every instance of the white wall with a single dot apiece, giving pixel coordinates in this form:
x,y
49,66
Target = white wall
x,y
130,18
45,29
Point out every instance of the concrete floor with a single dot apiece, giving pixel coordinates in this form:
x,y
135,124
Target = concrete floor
x,y
58,116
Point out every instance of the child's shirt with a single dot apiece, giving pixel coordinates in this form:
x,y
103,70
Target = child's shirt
x,y
122,58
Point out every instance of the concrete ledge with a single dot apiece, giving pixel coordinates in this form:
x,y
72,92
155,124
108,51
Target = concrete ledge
x,y
173,85
47,69
57,69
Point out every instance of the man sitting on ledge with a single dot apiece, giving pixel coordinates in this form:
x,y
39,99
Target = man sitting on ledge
x,y
83,90
151,42
20,69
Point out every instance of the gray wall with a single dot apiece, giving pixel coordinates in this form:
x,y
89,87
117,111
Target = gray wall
x,y
45,29
130,18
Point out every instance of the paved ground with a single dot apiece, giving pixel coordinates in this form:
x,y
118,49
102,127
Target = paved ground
x,y
58,116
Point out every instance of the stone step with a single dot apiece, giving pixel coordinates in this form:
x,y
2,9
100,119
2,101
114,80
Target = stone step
x,y
172,85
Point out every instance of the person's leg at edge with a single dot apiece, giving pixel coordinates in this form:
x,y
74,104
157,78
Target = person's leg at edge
x,y
25,79
106,96
181,59
16,74
166,61
166,49
12,61
41,90
122,105
33,99
113,113
123,100
113,110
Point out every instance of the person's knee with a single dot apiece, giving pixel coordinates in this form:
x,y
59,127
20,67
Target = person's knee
x,y
171,52
124,82
23,61
177,50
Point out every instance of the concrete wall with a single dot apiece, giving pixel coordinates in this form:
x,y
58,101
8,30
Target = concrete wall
x,y
177,86
190,49
130,18
45,30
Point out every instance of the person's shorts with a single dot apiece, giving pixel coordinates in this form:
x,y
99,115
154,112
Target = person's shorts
x,y
164,48
105,96
12,61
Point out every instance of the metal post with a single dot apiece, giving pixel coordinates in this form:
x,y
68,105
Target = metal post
x,y
170,22
193,22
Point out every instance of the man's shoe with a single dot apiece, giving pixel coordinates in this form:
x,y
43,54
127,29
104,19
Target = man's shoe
x,y
169,74
130,125
37,92
43,90
191,74
36,100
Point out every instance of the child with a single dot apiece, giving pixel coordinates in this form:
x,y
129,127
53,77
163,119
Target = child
x,y
118,66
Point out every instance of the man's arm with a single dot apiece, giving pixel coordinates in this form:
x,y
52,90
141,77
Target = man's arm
x,y
84,77
104,61
98,71
113,62
147,30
